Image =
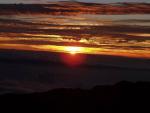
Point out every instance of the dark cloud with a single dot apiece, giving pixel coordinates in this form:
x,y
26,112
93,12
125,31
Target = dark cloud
x,y
31,1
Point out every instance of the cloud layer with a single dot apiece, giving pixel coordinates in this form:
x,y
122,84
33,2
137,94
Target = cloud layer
x,y
42,1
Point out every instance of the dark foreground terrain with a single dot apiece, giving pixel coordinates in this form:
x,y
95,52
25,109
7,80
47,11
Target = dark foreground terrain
x,y
21,77
122,97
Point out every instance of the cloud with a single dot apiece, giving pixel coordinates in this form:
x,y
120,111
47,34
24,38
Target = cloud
x,y
42,1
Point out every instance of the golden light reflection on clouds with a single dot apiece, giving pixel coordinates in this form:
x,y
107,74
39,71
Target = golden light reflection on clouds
x,y
140,34
91,34
79,50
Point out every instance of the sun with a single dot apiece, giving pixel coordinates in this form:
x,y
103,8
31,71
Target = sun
x,y
73,56
73,50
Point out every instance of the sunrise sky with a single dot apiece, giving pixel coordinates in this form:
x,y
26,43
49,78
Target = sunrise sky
x,y
43,1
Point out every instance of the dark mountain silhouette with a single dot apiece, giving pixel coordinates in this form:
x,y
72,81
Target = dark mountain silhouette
x,y
74,8
121,97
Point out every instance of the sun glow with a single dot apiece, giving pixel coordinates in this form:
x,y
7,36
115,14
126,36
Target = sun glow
x,y
73,59
73,50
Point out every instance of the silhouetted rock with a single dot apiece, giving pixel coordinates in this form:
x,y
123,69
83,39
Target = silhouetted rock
x,y
125,98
